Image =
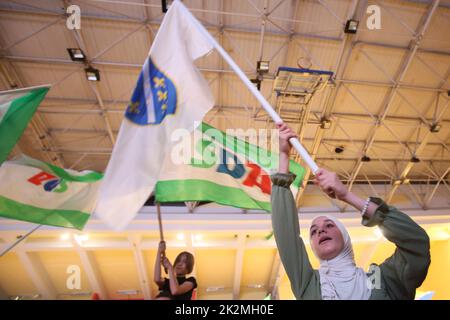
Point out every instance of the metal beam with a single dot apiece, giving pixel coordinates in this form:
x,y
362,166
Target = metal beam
x,y
94,17
387,103
90,267
190,248
356,11
37,273
50,106
36,125
250,72
141,266
107,152
334,141
82,44
432,193
276,275
419,148
212,219
238,265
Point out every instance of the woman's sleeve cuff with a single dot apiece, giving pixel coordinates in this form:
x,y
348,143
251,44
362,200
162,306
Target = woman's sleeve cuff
x,y
282,179
378,216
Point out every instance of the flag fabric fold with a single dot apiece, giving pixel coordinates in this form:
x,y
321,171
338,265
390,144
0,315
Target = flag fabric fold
x,y
222,169
170,94
39,192
17,107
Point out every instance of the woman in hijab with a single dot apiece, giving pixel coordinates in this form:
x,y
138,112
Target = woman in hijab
x,y
338,278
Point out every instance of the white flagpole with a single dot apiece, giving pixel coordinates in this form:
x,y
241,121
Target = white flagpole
x,y
266,105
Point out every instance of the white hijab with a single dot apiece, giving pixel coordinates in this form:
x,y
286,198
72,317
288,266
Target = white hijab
x,y
340,279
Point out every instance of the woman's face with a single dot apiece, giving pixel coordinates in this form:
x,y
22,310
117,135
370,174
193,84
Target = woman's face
x,y
326,238
181,266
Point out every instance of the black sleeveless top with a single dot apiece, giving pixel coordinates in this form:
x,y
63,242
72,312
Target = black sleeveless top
x,y
164,290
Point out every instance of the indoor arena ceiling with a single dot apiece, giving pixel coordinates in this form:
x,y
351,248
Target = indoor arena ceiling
x,y
388,102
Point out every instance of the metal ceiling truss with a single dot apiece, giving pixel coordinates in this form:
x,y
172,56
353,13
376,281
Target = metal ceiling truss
x,y
347,43
356,11
389,98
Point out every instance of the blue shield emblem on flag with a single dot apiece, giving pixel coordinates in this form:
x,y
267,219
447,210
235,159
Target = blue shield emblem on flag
x,y
154,97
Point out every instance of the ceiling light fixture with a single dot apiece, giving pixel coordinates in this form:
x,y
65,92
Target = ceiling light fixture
x,y
325,123
339,149
92,74
351,26
76,54
262,67
256,82
435,127
414,159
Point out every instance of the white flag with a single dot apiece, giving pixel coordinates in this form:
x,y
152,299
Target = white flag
x,y
170,94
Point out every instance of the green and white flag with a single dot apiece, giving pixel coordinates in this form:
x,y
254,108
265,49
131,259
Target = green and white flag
x,y
17,107
212,166
38,192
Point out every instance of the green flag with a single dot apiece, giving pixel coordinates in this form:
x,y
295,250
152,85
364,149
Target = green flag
x,y
17,107
222,169
39,192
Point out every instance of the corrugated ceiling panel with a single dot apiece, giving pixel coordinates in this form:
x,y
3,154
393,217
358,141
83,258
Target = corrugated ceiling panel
x,y
399,21
14,279
19,26
434,38
120,10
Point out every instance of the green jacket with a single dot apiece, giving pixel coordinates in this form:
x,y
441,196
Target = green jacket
x,y
401,273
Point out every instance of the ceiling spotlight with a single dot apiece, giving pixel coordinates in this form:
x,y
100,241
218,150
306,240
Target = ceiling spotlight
x,y
257,83
262,67
351,26
164,6
339,149
76,54
92,74
365,159
435,128
414,159
325,124
397,182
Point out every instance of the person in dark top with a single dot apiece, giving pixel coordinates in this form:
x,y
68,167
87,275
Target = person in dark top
x,y
177,287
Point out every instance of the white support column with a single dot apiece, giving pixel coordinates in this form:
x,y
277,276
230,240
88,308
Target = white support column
x,y
238,264
141,266
37,273
91,269
190,248
275,277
